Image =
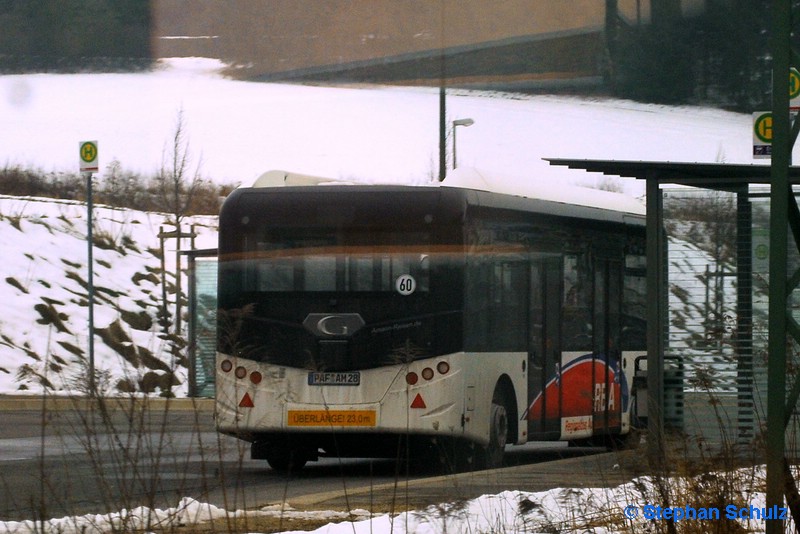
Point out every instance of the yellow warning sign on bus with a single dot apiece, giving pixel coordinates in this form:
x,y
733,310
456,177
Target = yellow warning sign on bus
x,y
332,418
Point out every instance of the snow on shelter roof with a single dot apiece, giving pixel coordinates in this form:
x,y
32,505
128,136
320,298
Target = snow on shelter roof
x,y
709,175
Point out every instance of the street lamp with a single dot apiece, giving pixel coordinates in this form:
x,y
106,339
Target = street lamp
x,y
459,122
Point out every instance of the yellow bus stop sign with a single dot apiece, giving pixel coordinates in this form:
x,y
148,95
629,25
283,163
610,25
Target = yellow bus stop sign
x,y
762,127
794,88
88,156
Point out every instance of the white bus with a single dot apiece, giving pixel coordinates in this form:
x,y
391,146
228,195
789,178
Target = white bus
x,y
438,322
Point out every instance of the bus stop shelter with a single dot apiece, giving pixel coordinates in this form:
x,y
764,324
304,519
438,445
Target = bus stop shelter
x,y
719,361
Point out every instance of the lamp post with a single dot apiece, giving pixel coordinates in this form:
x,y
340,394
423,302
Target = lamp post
x,y
459,122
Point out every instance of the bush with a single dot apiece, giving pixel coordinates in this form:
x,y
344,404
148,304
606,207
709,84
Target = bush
x,y
119,188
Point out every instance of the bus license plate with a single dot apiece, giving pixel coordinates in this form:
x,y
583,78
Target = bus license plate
x,y
352,378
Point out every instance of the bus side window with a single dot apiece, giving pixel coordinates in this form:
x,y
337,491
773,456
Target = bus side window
x,y
509,313
577,307
497,312
634,304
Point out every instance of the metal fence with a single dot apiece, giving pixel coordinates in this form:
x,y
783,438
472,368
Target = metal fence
x,y
202,322
715,365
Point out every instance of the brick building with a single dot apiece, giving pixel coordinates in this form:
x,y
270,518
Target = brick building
x,y
502,43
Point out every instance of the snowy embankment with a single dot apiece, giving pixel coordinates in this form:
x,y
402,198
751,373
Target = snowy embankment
x,y
44,327
632,507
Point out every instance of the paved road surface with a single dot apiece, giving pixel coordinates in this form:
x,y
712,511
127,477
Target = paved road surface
x,y
86,460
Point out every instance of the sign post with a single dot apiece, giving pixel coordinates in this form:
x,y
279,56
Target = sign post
x,y
88,158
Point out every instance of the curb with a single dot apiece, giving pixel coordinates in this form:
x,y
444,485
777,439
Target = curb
x,y
57,403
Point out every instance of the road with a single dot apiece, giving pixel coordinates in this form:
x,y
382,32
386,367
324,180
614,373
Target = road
x,y
88,460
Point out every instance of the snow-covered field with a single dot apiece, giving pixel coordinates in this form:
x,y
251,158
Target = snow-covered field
x,y
242,129
237,130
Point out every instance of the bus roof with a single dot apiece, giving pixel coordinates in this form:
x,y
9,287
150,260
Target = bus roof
x,y
471,178
566,195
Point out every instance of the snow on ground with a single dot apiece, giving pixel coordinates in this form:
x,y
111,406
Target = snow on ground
x,y
237,130
242,129
625,508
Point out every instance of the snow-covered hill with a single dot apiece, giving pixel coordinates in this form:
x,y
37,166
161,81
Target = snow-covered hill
x,y
44,324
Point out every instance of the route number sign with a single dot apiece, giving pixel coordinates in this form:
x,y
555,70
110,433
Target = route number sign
x,y
405,284
88,156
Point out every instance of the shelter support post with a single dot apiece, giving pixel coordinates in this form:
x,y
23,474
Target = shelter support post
x,y
777,474
656,322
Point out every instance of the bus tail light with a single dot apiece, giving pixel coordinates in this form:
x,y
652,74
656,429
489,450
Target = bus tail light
x,y
240,372
256,377
226,366
442,368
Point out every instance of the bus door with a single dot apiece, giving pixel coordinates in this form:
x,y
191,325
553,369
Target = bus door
x,y
606,394
544,397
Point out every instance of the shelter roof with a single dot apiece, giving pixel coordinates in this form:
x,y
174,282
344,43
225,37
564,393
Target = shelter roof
x,y
710,175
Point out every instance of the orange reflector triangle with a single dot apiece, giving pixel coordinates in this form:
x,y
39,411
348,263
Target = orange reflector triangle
x,y
418,402
246,401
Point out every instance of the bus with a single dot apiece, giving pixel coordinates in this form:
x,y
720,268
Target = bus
x,y
435,322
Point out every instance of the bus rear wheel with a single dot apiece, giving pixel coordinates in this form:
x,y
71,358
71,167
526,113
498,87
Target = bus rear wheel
x,y
286,461
475,456
498,434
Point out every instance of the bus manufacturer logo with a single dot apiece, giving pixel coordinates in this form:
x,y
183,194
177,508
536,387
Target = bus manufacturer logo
x,y
333,324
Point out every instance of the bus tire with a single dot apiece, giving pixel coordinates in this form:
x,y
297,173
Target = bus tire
x,y
286,461
498,435
625,442
472,456
491,455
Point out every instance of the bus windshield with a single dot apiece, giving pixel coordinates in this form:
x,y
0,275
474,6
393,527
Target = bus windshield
x,y
391,272
324,260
